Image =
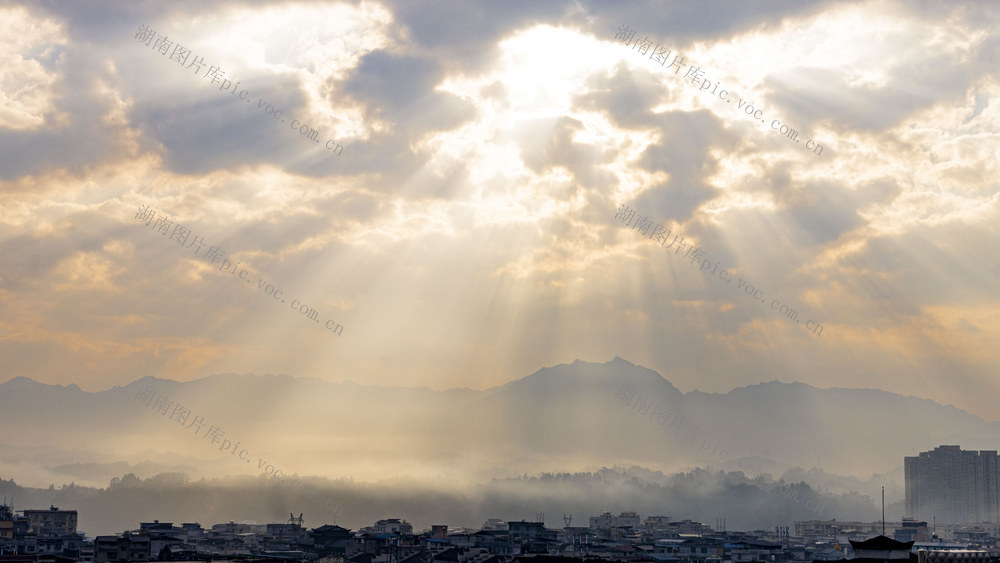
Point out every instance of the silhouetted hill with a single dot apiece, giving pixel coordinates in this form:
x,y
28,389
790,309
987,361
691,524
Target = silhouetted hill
x,y
569,417
699,495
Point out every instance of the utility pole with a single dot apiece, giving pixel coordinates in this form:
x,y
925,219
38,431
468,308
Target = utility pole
x,y
883,510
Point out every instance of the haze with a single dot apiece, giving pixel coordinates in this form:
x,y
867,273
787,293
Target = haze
x,y
466,235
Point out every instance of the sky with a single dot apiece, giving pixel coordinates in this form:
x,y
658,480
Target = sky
x,y
456,194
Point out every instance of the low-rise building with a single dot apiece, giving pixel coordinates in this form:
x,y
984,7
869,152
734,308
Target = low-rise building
x,y
392,526
121,549
52,522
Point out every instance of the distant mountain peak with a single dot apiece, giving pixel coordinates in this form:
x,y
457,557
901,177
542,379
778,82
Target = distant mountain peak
x,y
20,380
579,373
21,383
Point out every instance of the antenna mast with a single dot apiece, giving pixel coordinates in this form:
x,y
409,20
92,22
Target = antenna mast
x,y
883,510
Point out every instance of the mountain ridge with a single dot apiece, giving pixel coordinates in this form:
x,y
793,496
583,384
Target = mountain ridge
x,y
560,418
17,382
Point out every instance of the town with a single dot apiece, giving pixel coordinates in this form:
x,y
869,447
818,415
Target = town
x,y
963,513
50,536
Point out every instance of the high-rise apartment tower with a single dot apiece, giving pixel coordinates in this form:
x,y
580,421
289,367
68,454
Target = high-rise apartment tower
x,y
953,485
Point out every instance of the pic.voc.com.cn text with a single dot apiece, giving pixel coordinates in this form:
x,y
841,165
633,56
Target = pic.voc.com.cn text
x,y
180,55
694,74
215,255
660,234
214,434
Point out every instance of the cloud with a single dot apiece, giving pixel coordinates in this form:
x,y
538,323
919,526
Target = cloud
x,y
466,234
